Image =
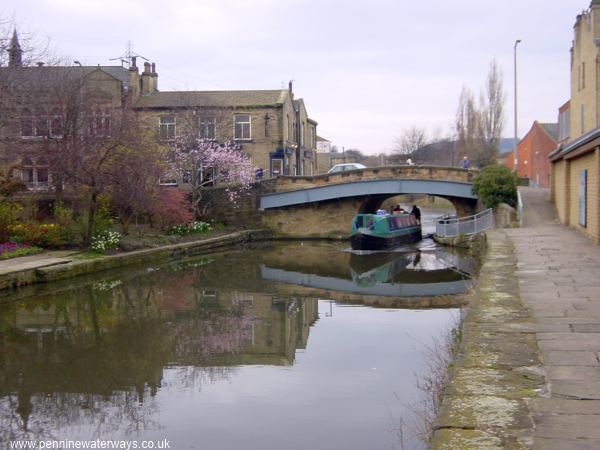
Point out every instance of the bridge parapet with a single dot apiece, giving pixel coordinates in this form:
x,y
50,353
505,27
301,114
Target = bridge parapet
x,y
290,183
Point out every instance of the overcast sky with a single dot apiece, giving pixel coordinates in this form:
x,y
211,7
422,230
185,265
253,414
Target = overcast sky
x,y
367,70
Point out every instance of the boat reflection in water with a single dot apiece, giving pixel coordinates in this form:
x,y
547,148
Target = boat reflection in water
x,y
388,274
186,349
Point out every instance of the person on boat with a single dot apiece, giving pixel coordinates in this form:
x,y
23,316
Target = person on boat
x,y
398,209
417,213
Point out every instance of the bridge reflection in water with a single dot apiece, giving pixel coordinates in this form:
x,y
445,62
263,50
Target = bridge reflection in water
x,y
108,353
388,274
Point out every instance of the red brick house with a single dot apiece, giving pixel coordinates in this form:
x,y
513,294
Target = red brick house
x,y
533,150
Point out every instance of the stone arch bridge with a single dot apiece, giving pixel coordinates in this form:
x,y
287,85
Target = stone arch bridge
x,y
324,205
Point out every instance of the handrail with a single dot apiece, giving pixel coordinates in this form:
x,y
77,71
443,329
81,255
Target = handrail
x,y
451,226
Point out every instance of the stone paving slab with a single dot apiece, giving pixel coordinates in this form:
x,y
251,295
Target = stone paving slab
x,y
19,265
586,328
573,373
571,426
564,406
570,286
570,358
566,444
578,390
549,316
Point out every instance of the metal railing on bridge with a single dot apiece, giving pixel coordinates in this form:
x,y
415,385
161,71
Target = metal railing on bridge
x,y
451,226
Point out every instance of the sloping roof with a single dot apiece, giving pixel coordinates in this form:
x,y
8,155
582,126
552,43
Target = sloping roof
x,y
174,99
551,129
583,143
47,74
322,139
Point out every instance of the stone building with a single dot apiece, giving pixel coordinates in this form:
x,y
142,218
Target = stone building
x,y
272,126
40,104
534,148
575,169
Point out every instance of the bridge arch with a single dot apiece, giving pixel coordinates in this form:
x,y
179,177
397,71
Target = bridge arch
x,y
325,204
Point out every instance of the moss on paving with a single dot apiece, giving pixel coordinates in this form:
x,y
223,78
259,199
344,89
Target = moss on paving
x,y
485,405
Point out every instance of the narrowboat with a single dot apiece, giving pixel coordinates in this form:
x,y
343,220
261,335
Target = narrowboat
x,y
383,231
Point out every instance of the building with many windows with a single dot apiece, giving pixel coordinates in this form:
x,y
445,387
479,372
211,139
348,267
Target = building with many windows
x,y
272,126
575,170
38,102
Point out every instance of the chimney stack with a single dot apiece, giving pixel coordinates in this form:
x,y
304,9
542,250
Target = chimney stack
x,y
149,79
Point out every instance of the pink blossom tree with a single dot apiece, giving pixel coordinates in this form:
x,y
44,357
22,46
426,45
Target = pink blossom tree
x,y
204,163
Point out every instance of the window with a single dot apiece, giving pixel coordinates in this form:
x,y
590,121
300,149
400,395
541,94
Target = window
x,y
42,171
208,128
27,128
99,122
167,128
563,124
276,166
56,123
242,127
27,170
34,173
41,123
34,124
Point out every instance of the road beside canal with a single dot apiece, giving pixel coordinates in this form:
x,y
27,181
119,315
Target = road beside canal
x,y
527,375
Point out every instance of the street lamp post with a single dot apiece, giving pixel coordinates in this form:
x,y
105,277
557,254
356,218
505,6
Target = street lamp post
x,y
516,129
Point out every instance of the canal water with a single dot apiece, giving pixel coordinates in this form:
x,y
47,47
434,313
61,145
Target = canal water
x,y
277,346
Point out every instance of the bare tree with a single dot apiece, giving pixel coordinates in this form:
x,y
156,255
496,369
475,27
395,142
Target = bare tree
x,y
468,125
492,105
411,139
93,144
479,129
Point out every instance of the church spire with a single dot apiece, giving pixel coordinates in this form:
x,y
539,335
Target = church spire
x,y
15,53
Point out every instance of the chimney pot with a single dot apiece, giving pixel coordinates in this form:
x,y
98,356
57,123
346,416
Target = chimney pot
x,y
146,67
153,68
134,61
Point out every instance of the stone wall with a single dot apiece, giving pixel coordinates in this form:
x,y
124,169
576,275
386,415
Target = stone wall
x,y
588,162
329,219
585,90
378,173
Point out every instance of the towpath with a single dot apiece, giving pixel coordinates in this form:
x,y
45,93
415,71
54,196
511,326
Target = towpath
x,y
528,375
559,280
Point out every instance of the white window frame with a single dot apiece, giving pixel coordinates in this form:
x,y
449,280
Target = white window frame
x,y
247,124
54,116
99,122
34,118
279,161
206,123
34,167
169,127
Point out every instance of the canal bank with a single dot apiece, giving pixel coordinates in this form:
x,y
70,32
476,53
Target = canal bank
x,y
527,373
52,266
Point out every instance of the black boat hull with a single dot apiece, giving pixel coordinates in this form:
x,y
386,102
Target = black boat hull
x,y
360,241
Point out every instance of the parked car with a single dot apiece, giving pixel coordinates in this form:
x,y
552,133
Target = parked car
x,y
345,167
